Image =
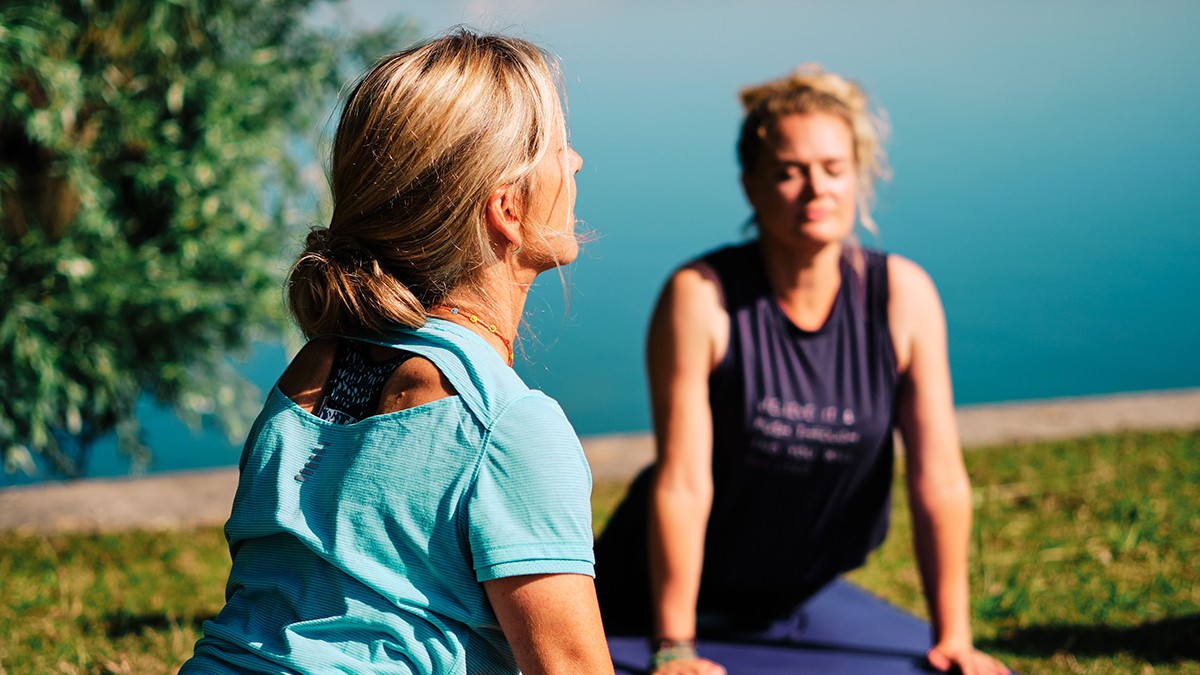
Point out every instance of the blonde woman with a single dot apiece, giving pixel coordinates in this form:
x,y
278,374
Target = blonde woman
x,y
406,503
778,369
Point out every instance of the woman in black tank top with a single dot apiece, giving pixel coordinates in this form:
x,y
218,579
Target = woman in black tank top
x,y
778,370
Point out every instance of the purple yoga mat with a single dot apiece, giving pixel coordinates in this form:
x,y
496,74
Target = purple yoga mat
x,y
842,629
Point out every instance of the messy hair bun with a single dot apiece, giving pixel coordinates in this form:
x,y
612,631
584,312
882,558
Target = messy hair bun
x,y
338,286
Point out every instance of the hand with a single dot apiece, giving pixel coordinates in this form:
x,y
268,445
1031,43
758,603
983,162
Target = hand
x,y
970,661
693,666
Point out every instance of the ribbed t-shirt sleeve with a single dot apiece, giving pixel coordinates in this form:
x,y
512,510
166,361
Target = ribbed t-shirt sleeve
x,y
530,511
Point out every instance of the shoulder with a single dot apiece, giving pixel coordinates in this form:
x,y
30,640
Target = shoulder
x,y
535,412
915,311
305,375
533,447
692,299
465,364
695,285
415,382
909,285
533,432
698,288
690,325
705,276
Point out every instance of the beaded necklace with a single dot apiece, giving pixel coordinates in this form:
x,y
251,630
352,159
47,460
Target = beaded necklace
x,y
473,318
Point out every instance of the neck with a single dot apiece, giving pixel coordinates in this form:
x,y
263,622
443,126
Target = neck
x,y
805,282
480,323
496,299
493,312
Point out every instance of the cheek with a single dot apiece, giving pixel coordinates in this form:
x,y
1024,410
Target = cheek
x,y
774,197
787,195
772,193
848,191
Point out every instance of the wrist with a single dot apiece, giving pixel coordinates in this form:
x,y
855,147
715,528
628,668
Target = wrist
x,y
671,649
952,643
951,624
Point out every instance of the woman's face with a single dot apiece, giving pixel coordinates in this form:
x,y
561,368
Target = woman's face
x,y
552,207
804,186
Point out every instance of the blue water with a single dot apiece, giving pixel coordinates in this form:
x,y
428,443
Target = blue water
x,y
1045,160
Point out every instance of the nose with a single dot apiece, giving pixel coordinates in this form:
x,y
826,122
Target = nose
x,y
576,160
818,182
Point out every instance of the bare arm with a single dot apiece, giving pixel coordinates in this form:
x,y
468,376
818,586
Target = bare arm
x,y
687,335
939,490
552,622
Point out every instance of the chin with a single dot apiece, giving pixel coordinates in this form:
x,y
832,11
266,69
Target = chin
x,y
825,232
569,257
559,259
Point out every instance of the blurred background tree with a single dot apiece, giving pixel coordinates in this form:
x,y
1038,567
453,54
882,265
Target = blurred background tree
x,y
156,167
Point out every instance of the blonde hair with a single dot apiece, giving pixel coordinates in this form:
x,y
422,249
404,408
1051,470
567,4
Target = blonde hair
x,y
424,138
810,89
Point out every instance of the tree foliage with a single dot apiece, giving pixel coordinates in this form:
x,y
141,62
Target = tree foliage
x,y
153,166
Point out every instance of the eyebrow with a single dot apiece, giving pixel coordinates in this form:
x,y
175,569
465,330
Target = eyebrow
x,y
797,163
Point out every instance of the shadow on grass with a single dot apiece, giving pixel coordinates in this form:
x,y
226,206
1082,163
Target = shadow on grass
x,y
120,623
1157,642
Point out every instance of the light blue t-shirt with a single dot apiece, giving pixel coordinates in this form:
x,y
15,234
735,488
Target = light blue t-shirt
x,y
361,548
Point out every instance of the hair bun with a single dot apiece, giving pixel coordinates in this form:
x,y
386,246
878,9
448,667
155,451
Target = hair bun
x,y
318,240
339,248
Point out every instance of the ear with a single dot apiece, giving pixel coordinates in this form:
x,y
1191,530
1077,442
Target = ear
x,y
504,215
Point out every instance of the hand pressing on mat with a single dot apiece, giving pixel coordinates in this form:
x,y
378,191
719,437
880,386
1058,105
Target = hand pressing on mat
x,y
964,659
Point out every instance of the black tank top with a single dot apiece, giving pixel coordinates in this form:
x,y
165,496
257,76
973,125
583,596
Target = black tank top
x,y
802,435
802,452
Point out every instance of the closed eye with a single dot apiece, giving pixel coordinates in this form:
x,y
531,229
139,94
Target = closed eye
x,y
836,168
790,172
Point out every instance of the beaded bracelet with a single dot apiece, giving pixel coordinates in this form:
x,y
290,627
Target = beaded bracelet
x,y
671,650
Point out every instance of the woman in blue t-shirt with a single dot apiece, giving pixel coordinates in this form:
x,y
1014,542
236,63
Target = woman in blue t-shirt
x,y
778,369
405,503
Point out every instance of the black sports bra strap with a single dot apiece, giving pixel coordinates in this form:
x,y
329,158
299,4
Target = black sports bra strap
x,y
355,382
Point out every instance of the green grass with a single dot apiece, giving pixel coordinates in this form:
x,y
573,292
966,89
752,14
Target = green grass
x,y
123,603
1083,555
1083,561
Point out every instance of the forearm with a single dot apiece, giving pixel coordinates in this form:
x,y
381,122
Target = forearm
x,y
678,519
942,529
566,657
